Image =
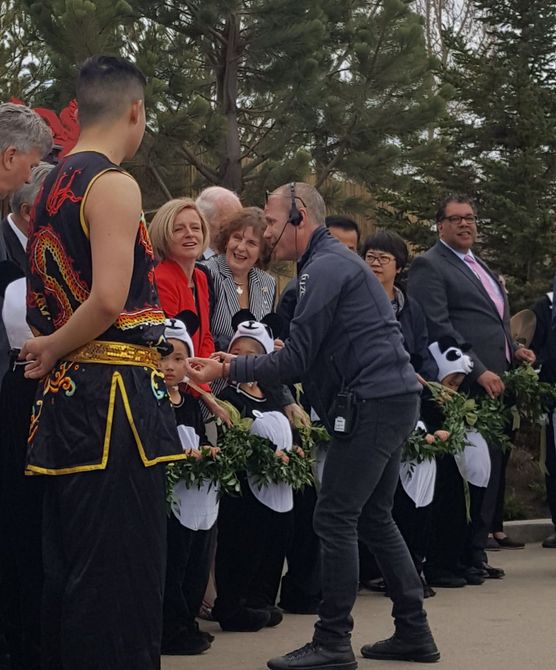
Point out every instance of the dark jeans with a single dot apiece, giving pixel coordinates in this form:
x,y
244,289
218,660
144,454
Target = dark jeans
x,y
359,481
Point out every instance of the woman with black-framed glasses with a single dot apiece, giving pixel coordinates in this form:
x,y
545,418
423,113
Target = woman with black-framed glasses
x,y
387,254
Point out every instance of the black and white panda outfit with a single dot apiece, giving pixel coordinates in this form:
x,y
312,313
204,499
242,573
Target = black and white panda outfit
x,y
189,536
253,529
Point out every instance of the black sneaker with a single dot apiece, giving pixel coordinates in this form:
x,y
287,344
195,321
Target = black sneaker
x,y
396,649
313,656
246,620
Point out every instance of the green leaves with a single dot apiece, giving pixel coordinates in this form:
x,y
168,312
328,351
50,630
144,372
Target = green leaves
x,y
525,399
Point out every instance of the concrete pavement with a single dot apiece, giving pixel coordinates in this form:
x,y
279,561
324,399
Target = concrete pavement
x,y
507,624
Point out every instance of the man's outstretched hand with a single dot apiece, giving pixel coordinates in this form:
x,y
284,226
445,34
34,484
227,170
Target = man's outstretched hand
x,y
204,370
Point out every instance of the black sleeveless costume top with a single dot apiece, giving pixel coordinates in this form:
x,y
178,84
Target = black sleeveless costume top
x,y
83,410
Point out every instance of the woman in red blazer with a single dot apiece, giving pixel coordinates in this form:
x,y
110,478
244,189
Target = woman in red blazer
x,y
179,236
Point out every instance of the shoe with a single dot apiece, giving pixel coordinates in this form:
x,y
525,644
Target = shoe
x,y
550,541
428,591
508,543
445,579
493,573
474,576
396,649
377,585
492,544
313,656
208,636
185,645
246,620
276,616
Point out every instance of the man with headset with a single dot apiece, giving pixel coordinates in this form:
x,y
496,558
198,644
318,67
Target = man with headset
x,y
345,345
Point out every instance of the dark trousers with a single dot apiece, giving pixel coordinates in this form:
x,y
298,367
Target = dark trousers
x,y
20,525
550,463
301,584
104,550
187,573
250,553
497,525
491,501
359,481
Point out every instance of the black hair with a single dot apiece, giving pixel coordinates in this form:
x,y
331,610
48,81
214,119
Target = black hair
x,y
105,86
344,223
392,243
453,197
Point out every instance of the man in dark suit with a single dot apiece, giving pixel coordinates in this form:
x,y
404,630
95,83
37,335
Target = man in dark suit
x,y
462,298
13,236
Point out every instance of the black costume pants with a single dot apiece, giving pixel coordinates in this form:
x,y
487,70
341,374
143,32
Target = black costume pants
x,y
414,525
187,573
20,525
252,544
104,549
359,481
300,588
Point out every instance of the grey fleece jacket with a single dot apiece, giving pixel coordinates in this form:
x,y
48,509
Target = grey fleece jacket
x,y
343,332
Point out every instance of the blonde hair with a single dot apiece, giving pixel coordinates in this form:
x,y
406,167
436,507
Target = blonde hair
x,y
162,225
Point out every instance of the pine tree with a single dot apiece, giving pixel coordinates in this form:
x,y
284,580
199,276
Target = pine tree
x,y
504,141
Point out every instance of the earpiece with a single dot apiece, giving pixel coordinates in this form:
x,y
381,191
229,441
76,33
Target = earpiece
x,y
295,217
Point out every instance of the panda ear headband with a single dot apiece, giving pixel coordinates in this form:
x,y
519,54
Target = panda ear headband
x,y
181,327
245,325
272,322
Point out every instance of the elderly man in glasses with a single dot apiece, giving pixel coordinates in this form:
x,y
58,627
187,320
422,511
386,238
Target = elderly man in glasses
x,y
462,298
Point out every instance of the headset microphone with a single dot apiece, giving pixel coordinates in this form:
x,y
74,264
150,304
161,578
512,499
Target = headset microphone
x,y
295,217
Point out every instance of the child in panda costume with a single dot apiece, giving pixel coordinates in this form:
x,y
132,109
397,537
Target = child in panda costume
x,y
448,564
253,529
194,511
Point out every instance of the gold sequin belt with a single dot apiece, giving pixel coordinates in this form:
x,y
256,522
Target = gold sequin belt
x,y
115,353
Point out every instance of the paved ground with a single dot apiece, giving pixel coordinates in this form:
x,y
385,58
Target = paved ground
x,y
502,625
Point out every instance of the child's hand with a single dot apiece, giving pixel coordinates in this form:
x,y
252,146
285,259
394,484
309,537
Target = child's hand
x,y
442,435
282,456
193,453
217,410
429,439
299,451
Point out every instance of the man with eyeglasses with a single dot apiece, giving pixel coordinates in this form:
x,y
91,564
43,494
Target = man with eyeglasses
x,y
462,298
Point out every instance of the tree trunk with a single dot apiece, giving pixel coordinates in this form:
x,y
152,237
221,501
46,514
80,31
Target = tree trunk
x,y
229,170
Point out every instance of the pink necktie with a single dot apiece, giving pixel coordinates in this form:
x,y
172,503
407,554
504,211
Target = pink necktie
x,y
493,293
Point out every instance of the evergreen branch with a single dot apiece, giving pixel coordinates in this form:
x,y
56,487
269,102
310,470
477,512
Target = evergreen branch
x,y
201,167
